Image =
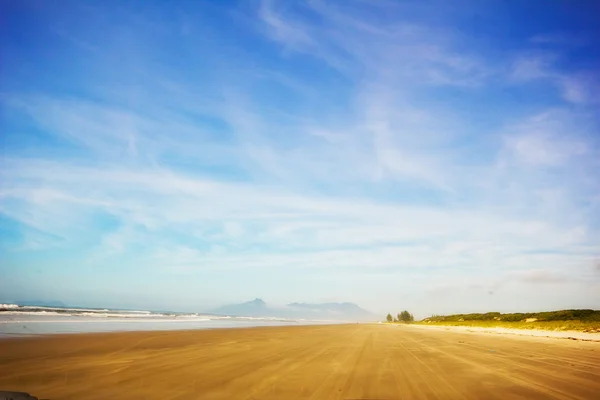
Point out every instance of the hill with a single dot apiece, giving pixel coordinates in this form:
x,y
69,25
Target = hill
x,y
323,311
254,308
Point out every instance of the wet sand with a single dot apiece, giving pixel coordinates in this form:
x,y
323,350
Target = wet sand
x,y
302,362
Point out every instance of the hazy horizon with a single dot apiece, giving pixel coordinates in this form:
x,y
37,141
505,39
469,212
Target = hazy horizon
x,y
273,310
439,158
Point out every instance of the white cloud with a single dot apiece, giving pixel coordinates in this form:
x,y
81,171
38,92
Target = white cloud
x,y
574,87
578,90
356,46
545,140
531,67
296,231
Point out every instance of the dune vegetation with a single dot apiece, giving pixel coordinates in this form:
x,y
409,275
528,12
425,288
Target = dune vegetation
x,y
579,320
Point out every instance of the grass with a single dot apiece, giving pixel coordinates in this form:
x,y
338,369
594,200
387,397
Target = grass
x,y
583,320
571,325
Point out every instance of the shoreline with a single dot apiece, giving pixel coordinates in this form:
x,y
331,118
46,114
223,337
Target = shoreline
x,y
174,331
44,325
141,327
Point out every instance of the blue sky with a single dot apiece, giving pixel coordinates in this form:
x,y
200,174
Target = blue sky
x,y
398,154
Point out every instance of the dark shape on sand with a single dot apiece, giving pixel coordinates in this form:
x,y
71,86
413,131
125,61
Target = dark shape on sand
x,y
16,396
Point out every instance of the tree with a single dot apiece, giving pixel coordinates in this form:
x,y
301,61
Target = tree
x,y
405,317
389,317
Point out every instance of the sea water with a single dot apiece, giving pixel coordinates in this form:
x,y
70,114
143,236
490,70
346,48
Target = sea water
x,y
18,320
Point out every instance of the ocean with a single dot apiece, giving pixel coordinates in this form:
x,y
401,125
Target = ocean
x,y
17,320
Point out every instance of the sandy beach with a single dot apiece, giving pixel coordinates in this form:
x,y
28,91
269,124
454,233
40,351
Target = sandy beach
x,y
305,362
541,333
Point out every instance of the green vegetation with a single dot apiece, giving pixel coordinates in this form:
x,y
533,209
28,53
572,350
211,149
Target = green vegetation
x,y
580,320
403,316
563,315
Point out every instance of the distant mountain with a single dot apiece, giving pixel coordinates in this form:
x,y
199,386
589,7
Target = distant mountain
x,y
323,311
254,308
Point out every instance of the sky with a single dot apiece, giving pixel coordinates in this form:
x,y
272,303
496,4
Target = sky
x,y
425,155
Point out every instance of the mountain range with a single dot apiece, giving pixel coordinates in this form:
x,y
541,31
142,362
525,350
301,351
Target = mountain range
x,y
323,311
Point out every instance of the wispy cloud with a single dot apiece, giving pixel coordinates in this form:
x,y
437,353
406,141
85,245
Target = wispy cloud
x,y
577,87
542,140
561,39
351,41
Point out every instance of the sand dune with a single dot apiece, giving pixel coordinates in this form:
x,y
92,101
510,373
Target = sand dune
x,y
513,331
306,362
